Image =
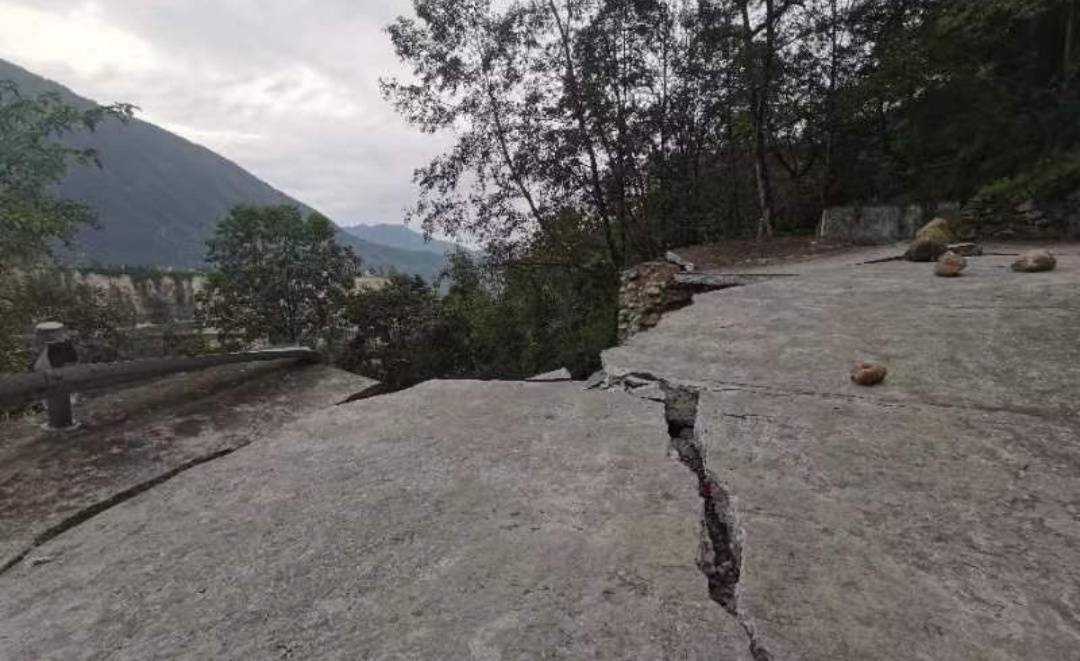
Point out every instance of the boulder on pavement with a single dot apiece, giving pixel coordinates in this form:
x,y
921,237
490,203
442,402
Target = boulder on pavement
x,y
1035,261
925,250
931,241
868,374
937,229
950,265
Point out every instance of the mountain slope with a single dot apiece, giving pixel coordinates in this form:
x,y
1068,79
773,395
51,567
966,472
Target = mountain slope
x,y
400,236
159,196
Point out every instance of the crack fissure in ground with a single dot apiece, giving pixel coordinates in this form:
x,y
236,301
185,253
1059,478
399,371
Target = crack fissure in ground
x,y
85,514
720,550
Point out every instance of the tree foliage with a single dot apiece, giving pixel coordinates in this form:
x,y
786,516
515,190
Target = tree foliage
x,y
97,317
593,134
493,322
660,122
32,159
401,337
277,277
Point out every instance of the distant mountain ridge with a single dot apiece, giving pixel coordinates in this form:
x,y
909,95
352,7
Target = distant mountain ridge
x,y
159,196
400,236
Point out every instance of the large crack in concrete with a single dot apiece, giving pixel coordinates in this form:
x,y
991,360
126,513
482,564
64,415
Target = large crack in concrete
x,y
720,551
85,514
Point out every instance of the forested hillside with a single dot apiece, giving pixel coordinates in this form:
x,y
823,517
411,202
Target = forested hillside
x,y
159,196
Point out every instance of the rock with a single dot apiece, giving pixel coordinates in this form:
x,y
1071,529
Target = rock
x,y
1035,261
925,249
34,561
950,265
939,230
868,374
597,379
676,259
967,249
561,374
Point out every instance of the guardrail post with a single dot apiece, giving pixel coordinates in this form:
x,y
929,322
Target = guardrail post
x,y
56,351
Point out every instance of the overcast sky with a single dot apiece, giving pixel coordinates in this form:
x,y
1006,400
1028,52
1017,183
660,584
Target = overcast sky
x,y
286,88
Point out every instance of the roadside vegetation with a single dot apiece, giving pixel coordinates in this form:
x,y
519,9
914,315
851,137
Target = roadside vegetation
x,y
34,222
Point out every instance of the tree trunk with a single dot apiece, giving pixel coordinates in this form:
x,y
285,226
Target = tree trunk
x,y
1066,69
759,86
830,106
616,255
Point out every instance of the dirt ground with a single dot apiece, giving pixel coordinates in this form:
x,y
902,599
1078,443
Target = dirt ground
x,y
750,252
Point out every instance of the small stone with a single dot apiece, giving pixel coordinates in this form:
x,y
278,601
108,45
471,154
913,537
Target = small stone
x,y
967,249
925,249
35,560
950,265
678,260
868,374
1035,261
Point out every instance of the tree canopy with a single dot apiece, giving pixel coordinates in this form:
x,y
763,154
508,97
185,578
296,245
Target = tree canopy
x,y
277,276
33,158
660,122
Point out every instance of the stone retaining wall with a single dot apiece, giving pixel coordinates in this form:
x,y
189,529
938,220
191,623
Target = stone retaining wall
x,y
646,293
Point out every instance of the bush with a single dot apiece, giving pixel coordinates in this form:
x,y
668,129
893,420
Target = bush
x,y
97,319
1049,182
493,323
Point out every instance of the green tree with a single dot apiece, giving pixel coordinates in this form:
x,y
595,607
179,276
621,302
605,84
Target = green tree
x,y
33,158
402,337
97,317
277,276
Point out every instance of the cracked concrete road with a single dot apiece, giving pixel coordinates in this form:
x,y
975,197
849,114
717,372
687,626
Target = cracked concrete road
x,y
452,520
936,516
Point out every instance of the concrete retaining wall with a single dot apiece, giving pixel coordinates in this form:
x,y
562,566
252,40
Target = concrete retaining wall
x,y
879,224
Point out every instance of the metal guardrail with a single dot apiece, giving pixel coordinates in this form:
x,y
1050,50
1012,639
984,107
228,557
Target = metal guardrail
x,y
56,385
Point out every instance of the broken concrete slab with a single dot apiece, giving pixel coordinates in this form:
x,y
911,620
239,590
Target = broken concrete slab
x,y
931,517
873,530
993,339
561,374
451,520
132,437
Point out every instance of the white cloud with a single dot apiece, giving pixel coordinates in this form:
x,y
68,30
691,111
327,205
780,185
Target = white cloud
x,y
297,90
286,88
77,38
